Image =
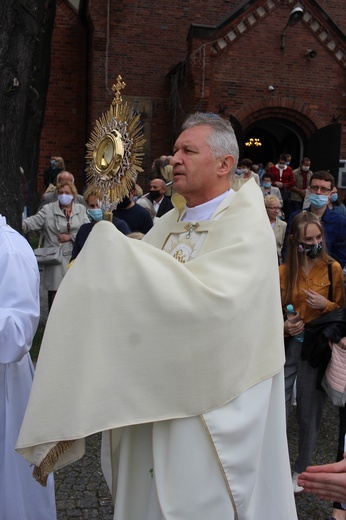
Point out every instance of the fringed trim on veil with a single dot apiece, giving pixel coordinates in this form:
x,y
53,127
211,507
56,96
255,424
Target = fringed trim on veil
x,y
42,471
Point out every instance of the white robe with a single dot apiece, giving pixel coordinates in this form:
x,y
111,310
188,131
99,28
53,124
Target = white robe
x,y
218,465
230,463
175,361
21,498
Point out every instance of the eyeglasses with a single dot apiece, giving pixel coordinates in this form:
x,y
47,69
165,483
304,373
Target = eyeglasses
x,y
322,189
276,208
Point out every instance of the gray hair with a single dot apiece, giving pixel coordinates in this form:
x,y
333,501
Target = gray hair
x,y
222,139
63,172
268,199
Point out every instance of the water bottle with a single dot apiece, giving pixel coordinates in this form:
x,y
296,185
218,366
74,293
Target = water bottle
x,y
293,317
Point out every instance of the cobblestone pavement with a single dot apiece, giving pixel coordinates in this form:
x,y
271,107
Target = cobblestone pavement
x,y
310,507
81,491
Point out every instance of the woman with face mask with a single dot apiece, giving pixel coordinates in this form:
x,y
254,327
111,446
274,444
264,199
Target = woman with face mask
x,y
335,204
58,223
56,166
268,188
313,283
95,215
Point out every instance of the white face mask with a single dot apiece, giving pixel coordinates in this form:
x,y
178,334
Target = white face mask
x,y
65,199
281,166
305,168
245,171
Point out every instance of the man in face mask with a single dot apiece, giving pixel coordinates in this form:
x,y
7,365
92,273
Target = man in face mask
x,y
302,176
284,180
137,218
334,224
160,202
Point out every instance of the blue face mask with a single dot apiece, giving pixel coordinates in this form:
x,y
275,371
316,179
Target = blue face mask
x,y
95,213
239,171
52,163
267,184
334,197
318,201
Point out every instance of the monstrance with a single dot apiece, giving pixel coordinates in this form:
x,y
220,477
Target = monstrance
x,y
114,152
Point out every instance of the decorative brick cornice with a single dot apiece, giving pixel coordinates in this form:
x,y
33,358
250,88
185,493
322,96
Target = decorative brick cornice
x,y
291,109
259,11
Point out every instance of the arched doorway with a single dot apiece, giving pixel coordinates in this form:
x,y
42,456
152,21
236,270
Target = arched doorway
x,y
266,139
288,126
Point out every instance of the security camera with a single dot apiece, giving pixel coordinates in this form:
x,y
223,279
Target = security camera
x,y
311,54
271,88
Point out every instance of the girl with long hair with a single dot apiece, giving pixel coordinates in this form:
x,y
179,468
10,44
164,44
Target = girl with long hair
x,y
305,281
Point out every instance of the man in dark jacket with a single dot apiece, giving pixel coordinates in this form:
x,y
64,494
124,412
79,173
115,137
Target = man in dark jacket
x,y
161,203
137,218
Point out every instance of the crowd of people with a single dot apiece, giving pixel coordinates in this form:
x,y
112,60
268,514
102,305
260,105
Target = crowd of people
x,y
201,404
309,224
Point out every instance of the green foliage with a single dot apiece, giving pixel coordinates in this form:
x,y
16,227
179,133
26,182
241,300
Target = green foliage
x,y
33,239
36,344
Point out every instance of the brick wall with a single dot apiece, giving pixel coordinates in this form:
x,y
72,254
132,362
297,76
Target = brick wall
x,y
64,132
241,72
336,11
143,41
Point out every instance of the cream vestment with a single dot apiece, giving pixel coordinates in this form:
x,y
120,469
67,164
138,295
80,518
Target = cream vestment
x,y
157,350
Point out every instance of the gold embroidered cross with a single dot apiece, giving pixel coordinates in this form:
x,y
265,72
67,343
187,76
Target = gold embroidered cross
x,y
189,228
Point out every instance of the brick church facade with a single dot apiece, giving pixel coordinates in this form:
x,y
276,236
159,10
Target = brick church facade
x,y
281,83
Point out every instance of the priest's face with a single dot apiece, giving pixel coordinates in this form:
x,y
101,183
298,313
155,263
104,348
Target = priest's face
x,y
197,175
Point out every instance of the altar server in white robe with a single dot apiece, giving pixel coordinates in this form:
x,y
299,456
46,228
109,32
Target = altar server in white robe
x,y
165,358
21,498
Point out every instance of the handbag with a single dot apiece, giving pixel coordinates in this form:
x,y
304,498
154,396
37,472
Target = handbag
x,y
334,379
48,255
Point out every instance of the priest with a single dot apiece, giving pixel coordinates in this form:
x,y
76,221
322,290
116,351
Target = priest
x,y
171,355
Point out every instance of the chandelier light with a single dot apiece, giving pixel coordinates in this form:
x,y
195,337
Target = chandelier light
x,y
253,141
